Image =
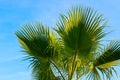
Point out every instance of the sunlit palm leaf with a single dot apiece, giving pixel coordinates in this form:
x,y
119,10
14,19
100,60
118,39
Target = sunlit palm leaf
x,y
35,38
41,69
81,29
104,64
39,44
110,57
102,74
93,75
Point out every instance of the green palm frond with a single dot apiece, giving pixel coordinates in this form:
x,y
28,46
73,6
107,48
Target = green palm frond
x,y
37,40
93,75
43,72
103,66
41,69
40,45
81,29
102,74
97,73
110,57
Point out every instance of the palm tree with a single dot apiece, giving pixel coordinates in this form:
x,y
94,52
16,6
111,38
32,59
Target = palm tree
x,y
74,50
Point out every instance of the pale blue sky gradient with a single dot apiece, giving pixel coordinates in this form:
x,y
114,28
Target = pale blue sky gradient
x,y
15,13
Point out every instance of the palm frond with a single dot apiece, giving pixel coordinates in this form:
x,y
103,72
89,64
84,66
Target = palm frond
x,y
94,75
39,44
36,39
101,74
104,64
110,56
81,29
41,69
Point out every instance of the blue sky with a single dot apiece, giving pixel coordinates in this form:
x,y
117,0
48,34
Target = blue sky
x,y
15,13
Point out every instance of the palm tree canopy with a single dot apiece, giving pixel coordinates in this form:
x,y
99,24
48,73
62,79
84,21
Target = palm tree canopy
x,y
75,50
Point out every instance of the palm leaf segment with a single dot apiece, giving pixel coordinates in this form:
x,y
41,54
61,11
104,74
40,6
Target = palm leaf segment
x,y
39,44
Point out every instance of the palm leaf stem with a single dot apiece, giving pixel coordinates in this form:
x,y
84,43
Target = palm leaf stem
x,y
73,65
56,68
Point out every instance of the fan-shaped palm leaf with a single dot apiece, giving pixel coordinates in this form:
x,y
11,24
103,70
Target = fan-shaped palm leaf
x,y
104,64
110,57
39,44
81,30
